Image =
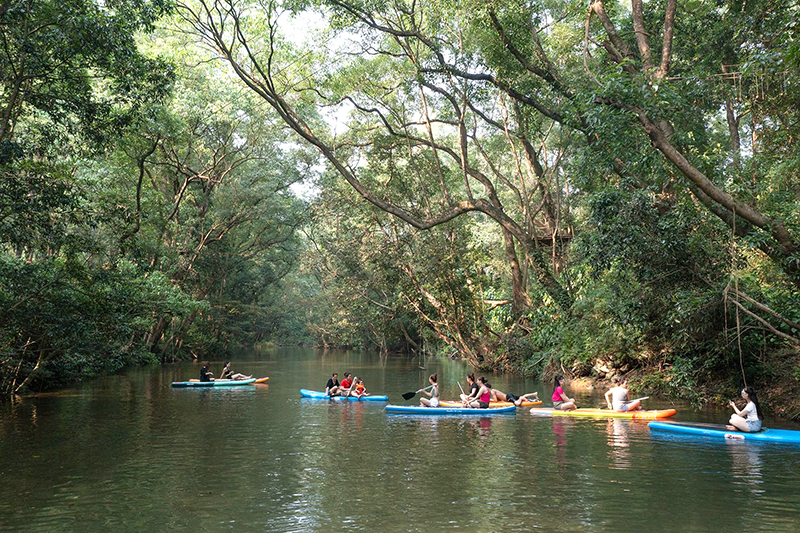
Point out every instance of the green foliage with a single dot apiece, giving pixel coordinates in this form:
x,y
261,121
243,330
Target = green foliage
x,y
137,221
71,320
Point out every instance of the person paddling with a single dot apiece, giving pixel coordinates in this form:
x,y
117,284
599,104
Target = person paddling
x,y
747,419
560,400
347,384
433,393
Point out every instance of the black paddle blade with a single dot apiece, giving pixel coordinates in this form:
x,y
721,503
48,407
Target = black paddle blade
x,y
409,395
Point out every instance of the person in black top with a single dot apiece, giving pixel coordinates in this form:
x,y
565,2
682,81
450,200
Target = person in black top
x,y
205,373
227,373
332,388
472,394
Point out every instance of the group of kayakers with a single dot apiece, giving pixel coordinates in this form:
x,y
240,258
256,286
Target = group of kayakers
x,y
481,393
350,386
479,396
227,373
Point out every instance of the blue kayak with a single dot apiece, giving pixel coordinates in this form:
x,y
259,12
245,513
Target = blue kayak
x,y
217,383
786,436
320,395
419,410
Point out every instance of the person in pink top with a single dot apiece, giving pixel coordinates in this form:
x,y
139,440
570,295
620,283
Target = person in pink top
x,y
560,400
484,395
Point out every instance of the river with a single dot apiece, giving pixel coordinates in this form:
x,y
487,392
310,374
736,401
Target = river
x,y
130,453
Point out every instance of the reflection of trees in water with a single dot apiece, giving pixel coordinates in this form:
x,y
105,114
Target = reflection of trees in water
x,y
619,443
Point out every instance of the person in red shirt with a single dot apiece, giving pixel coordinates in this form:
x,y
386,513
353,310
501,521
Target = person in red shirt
x,y
347,384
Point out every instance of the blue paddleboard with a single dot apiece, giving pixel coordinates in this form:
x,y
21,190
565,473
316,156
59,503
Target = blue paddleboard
x,y
786,436
320,395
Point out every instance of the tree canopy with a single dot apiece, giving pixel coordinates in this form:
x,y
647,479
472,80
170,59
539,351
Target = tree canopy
x,y
595,187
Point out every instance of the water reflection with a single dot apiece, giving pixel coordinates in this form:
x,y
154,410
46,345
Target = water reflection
x,y
559,427
618,442
480,428
746,464
130,453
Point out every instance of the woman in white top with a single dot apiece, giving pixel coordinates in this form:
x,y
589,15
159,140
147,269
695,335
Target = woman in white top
x,y
433,393
748,419
617,397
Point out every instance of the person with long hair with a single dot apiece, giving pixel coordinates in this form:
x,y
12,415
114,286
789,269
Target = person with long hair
x,y
484,395
747,419
433,401
227,373
560,399
472,394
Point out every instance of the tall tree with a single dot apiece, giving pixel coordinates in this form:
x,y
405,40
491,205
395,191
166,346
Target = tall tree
x,y
429,125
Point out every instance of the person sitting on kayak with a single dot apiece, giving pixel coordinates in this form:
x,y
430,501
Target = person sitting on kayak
x,y
433,393
500,396
205,373
473,390
748,419
484,395
617,397
360,389
332,388
560,400
227,373
347,384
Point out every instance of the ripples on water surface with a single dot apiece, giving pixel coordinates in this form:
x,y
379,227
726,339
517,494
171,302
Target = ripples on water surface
x,y
130,453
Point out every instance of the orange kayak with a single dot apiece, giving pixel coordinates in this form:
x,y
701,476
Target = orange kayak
x,y
607,413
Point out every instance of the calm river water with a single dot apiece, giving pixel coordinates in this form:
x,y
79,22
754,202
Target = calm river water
x,y
129,453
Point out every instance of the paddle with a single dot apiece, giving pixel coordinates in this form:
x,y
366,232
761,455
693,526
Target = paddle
x,y
409,395
630,401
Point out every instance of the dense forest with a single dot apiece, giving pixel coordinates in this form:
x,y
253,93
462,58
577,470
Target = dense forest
x,y
536,186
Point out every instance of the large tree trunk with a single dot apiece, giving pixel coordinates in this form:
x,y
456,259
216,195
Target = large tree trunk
x,y
520,301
